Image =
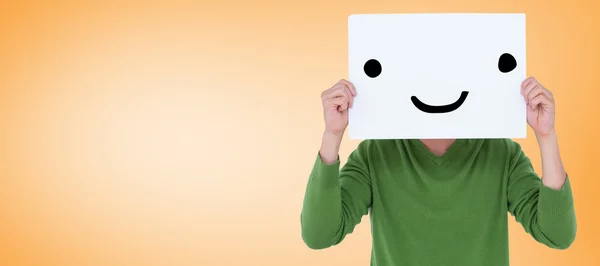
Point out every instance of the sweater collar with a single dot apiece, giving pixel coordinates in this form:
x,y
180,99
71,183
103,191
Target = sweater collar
x,y
451,153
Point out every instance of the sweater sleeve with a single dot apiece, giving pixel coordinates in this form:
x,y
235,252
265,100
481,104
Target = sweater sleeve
x,y
546,214
335,200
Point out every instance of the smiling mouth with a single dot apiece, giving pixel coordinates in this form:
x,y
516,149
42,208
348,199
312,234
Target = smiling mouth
x,y
438,109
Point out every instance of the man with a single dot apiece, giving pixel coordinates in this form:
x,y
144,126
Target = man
x,y
438,202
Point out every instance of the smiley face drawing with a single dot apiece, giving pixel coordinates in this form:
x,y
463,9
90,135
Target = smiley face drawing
x,y
506,63
437,75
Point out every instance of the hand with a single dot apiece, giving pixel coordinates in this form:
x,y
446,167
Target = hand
x,y
540,107
336,102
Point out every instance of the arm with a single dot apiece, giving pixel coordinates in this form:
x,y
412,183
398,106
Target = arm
x,y
335,199
543,207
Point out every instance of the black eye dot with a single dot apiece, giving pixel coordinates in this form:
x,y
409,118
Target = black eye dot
x,y
372,68
507,63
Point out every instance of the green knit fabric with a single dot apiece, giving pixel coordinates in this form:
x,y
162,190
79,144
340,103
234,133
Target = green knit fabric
x,y
435,210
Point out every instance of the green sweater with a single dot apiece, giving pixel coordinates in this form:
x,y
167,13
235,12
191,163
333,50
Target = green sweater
x,y
435,210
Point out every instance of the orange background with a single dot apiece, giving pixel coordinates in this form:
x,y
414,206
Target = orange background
x,y
183,133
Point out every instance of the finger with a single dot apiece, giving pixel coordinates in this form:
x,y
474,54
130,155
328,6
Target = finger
x,y
350,97
340,103
547,92
540,90
341,88
534,93
532,80
540,100
526,82
335,91
528,90
327,94
336,102
350,86
343,91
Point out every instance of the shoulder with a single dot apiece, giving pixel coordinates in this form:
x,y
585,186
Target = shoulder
x,y
370,148
376,145
505,146
503,143
365,147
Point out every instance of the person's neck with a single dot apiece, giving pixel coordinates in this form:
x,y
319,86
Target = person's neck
x,y
438,146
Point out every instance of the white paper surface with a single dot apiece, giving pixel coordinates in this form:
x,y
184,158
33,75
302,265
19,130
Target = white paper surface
x,y
435,57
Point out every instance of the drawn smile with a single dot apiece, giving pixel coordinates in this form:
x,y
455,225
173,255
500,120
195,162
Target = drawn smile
x,y
438,109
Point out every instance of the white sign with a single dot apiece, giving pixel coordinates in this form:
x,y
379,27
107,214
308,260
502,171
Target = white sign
x,y
437,76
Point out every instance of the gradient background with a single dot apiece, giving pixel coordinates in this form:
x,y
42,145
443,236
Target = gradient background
x,y
183,133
